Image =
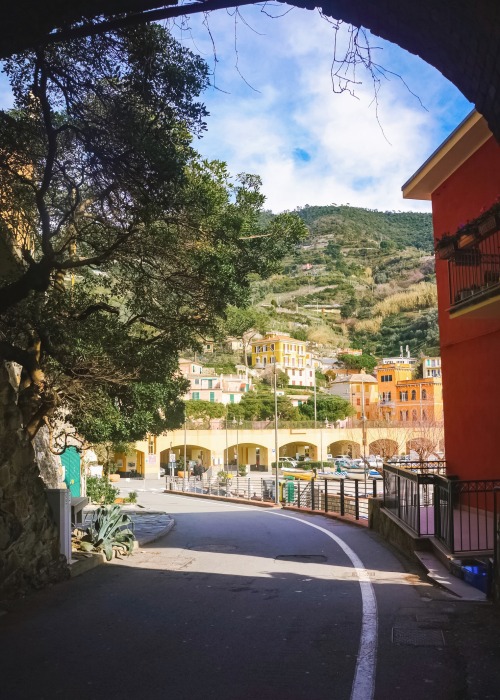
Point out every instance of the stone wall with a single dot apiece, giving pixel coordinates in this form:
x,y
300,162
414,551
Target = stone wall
x,y
29,545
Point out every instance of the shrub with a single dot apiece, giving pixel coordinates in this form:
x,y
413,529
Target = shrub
x,y
109,530
99,490
132,497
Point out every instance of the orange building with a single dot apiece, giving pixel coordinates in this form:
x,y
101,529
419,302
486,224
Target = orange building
x,y
388,377
419,400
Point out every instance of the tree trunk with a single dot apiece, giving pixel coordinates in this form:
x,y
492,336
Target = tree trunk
x,y
29,542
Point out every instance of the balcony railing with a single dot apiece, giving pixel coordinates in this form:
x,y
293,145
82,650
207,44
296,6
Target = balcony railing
x,y
473,275
458,513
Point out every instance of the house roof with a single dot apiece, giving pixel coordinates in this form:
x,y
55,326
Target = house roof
x,y
465,140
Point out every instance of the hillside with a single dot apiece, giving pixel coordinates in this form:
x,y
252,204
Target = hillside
x,y
362,277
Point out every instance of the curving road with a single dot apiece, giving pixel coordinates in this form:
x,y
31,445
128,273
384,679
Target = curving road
x,y
236,603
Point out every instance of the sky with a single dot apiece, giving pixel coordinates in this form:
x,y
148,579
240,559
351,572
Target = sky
x,y
273,111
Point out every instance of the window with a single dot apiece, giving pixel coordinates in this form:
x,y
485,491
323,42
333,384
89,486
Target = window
x,y
424,394
151,444
386,378
195,396
197,381
386,396
414,415
413,395
403,396
231,398
358,402
212,397
424,415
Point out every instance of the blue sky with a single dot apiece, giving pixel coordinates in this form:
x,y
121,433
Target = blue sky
x,y
273,111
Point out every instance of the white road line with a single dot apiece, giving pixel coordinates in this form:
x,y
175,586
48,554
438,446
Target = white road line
x,y
363,686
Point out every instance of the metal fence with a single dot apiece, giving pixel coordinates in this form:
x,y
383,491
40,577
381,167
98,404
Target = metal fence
x,y
339,496
460,513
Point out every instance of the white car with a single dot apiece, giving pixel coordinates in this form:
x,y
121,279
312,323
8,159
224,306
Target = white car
x,y
288,462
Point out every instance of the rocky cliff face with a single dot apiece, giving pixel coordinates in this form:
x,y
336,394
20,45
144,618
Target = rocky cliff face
x,y
29,548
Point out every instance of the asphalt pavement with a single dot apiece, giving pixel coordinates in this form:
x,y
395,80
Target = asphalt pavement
x,y
237,602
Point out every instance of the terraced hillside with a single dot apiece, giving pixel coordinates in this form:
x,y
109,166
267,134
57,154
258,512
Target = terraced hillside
x,y
362,277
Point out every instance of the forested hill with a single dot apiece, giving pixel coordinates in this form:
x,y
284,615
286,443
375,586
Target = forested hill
x,y
365,227
363,278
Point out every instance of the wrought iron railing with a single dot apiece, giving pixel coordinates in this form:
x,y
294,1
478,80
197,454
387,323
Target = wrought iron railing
x,y
473,275
460,513
345,497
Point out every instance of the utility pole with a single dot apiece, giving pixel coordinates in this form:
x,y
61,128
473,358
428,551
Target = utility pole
x,y
276,453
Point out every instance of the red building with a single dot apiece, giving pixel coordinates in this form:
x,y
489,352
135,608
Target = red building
x,y
462,178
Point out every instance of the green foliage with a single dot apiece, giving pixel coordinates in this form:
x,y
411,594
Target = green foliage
x,y
132,497
204,409
328,407
282,378
224,477
359,362
109,530
419,331
134,245
100,490
259,405
358,225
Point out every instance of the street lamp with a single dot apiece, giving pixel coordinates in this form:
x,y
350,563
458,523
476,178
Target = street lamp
x,y
276,453
237,423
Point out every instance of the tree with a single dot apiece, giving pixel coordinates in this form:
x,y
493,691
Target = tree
x,y
359,362
282,378
204,410
259,405
131,246
120,248
328,407
245,324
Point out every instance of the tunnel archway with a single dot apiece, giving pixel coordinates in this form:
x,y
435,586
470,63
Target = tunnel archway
x,y
457,37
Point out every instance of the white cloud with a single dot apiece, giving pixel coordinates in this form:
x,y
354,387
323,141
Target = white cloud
x,y
351,160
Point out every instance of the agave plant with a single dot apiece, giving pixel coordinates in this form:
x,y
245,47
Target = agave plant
x,y
110,529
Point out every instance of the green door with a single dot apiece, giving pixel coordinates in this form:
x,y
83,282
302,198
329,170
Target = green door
x,y
70,459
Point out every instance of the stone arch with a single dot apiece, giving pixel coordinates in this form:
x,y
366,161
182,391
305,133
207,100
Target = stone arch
x,y
254,456
196,453
345,447
457,37
299,449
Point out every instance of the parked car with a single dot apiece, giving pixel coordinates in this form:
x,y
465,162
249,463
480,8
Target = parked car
x,y
288,462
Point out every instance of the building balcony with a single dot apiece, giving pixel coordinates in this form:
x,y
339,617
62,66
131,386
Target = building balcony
x,y
474,268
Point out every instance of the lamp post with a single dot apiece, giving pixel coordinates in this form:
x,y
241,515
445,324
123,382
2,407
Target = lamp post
x,y
185,449
226,458
276,453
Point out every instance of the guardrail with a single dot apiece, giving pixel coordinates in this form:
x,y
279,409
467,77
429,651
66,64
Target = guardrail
x,y
339,496
460,513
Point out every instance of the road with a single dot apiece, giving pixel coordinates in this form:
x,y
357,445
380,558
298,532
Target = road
x,y
236,603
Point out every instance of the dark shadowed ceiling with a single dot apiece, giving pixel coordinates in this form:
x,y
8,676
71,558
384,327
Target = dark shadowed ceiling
x,y
460,38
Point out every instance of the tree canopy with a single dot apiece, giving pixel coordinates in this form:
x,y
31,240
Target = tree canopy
x,y
124,247
364,361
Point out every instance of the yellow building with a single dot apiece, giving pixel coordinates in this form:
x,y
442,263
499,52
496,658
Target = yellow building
x,y
289,354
